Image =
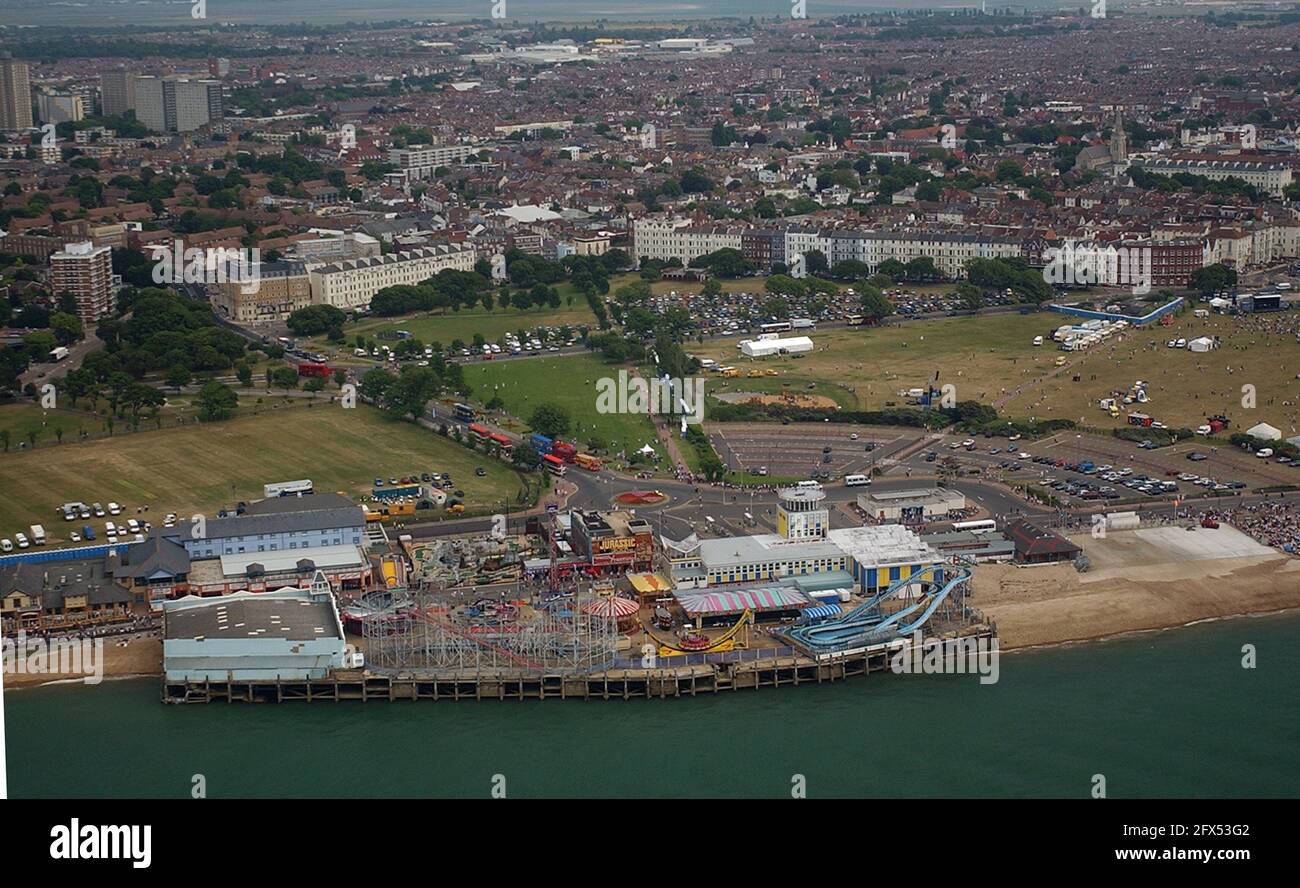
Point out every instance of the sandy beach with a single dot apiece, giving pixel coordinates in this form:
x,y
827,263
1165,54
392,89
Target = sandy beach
x,y
141,656
1055,603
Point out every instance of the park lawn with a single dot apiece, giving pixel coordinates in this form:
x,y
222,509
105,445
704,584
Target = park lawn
x,y
431,327
445,327
1184,387
199,468
979,356
568,381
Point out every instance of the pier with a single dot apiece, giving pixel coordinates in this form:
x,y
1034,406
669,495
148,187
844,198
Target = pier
x,y
661,681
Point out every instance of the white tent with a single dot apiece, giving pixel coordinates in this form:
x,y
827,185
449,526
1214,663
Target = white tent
x,y
647,451
1264,432
1201,344
761,348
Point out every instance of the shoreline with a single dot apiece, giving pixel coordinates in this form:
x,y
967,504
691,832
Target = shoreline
x,y
30,682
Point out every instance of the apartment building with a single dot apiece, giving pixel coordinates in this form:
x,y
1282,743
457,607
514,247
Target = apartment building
x,y
85,271
282,288
675,239
352,245
951,251
59,108
15,94
178,104
1268,176
420,161
117,91
352,283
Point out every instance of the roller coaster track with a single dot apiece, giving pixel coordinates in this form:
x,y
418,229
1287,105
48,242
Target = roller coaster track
x,y
447,626
865,625
746,617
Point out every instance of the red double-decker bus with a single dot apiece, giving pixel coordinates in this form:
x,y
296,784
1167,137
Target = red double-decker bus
x,y
479,431
553,464
320,370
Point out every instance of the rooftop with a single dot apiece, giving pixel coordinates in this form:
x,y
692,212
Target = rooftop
x,y
292,615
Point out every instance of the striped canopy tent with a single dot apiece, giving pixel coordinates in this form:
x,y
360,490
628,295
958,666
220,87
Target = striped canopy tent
x,y
819,612
623,610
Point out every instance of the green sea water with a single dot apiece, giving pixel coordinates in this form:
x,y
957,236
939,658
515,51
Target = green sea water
x,y
1161,714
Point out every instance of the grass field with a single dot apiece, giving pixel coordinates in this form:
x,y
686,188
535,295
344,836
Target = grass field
x,y
868,366
991,359
22,417
568,382
452,325
199,468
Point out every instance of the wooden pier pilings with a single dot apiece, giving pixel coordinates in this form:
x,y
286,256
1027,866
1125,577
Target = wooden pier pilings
x,y
613,684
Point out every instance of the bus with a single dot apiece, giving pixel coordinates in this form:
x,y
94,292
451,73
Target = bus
x,y
553,464
289,488
986,526
479,432
464,412
855,320
777,327
808,485
856,480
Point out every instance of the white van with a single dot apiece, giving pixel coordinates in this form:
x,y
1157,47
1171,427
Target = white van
x,y
1264,452
808,485
110,529
114,509
133,526
856,480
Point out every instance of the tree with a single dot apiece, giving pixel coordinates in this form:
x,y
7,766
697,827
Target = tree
x,y
1213,278
178,376
316,319
892,269
874,304
283,377
65,327
216,401
411,391
550,420
245,374
972,298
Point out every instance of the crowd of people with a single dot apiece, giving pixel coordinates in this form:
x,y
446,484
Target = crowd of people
x,y
1273,523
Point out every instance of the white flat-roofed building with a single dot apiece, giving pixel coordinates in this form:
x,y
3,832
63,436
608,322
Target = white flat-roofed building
x,y
292,634
883,554
911,505
750,559
420,161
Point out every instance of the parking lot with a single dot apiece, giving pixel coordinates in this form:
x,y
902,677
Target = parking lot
x,y
827,451
81,523
1081,467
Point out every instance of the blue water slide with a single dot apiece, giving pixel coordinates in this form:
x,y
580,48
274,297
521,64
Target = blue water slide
x,y
865,624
